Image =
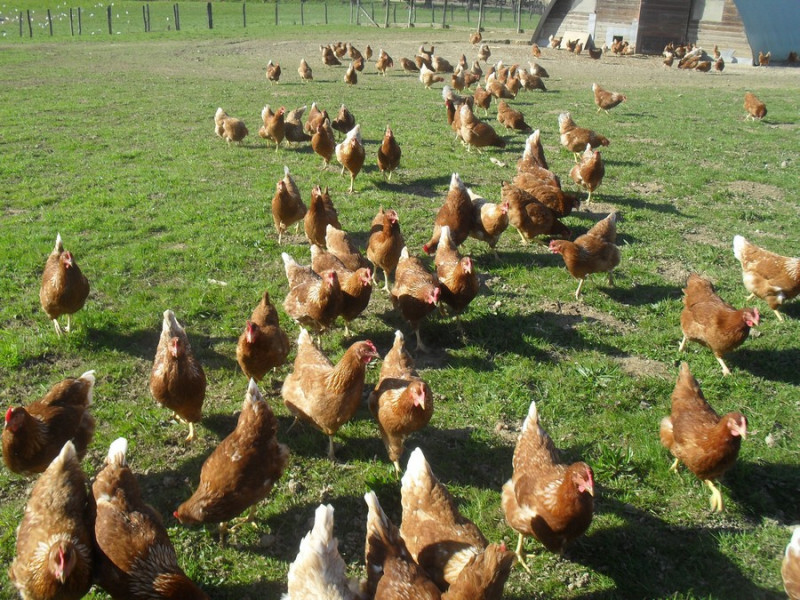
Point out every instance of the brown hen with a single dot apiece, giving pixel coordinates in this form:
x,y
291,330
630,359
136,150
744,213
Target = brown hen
x,y
699,438
177,380
530,217
415,292
320,214
263,345
606,100
455,212
388,154
64,287
708,320
589,172
575,138
546,498
135,558
242,470
769,276
323,394
592,252
350,154
287,204
401,402
34,435
274,127
448,546
54,541
313,301
385,244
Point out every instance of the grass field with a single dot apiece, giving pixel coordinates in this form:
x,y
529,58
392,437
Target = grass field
x,y
111,143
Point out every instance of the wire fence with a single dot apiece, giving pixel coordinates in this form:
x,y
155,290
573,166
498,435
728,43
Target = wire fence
x,y
129,17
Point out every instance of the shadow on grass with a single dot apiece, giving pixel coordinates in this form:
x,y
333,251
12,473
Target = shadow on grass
x,y
643,294
766,490
775,365
648,558
141,343
662,207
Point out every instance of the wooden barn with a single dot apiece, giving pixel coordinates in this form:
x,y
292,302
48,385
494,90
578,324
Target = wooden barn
x,y
740,28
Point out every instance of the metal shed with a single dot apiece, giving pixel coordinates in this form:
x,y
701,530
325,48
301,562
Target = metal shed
x,y
740,28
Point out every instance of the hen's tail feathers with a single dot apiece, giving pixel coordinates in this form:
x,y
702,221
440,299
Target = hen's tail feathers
x,y
739,244
59,244
117,452
532,420
67,453
304,338
253,393
417,469
90,379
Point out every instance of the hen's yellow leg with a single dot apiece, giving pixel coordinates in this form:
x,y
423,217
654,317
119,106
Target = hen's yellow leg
x,y
520,553
716,496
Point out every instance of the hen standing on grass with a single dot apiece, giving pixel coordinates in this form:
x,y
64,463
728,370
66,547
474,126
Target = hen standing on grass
x,y
263,345
575,138
707,444
401,402
242,470
415,292
771,277
313,301
54,541
177,380
135,558
64,288
592,252
323,394
34,435
546,498
708,320
606,100
385,244
388,154
590,171
455,212
287,204
350,154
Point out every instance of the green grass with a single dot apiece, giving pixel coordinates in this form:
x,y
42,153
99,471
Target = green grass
x,y
111,144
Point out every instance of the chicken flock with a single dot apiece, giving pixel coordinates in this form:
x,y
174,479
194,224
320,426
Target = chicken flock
x,y
74,534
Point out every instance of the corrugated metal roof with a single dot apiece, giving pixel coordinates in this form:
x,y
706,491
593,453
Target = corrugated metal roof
x,y
771,26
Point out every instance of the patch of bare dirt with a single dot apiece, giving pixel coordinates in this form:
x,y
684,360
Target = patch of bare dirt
x,y
756,191
647,188
674,272
642,367
700,235
587,313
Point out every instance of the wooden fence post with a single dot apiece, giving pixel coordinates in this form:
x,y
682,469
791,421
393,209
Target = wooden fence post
x,y
433,13
80,21
147,14
177,16
358,12
50,22
394,14
386,20
519,16
480,16
326,13
244,14
276,13
210,16
444,14
410,11
71,23
302,13
30,25
108,16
